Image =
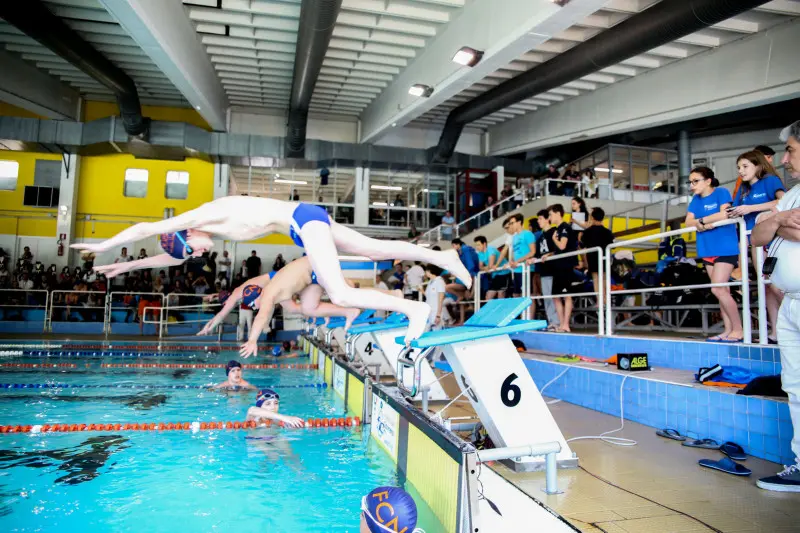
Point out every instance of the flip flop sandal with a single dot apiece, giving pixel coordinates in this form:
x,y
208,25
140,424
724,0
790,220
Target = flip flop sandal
x,y
726,465
706,444
669,433
716,338
729,340
733,450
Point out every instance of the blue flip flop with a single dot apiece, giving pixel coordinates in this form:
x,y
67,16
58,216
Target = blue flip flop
x,y
726,465
706,444
728,340
669,433
733,450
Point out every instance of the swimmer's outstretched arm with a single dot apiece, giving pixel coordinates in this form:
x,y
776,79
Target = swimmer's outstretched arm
x,y
230,303
190,219
255,413
265,312
115,269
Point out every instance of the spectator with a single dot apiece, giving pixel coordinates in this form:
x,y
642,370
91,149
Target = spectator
x,y
718,247
434,297
398,276
88,262
27,256
158,284
406,287
589,183
448,223
142,254
147,281
200,285
523,247
769,155
469,258
209,269
760,191
782,229
119,281
295,198
545,248
5,276
600,236
222,281
571,175
495,284
164,279
415,277
279,263
398,202
253,265
413,232
380,285
243,270
553,174
25,282
225,264
565,241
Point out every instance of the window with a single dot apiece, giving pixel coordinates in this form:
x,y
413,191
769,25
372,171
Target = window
x,y
135,183
177,185
9,171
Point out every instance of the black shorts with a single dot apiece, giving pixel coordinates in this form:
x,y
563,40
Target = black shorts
x,y
516,283
729,259
562,282
591,260
499,283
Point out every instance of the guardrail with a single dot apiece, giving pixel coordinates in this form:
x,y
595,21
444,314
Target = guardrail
x,y
135,309
77,306
743,262
434,235
20,299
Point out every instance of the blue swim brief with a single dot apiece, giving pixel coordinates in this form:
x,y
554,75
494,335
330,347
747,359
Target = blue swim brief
x,y
314,278
306,213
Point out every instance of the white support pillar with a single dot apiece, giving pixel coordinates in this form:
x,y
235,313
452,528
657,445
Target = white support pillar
x,y
361,197
222,173
501,178
67,205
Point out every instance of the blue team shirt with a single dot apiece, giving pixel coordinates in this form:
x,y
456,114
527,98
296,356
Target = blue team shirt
x,y
469,257
719,241
486,256
762,192
521,245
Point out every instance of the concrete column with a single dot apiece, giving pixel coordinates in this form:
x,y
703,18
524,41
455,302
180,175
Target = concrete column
x,y
222,173
684,161
501,179
361,197
67,206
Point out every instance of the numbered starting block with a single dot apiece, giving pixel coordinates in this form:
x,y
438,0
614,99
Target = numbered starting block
x,y
491,373
335,328
372,345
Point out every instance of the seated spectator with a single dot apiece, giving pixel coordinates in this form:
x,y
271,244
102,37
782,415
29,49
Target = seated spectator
x,y
717,247
413,232
142,254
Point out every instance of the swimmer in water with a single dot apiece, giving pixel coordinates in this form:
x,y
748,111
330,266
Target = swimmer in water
x,y
266,408
284,351
244,218
235,381
388,510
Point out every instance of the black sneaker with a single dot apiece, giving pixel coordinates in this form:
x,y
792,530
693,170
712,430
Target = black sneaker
x,y
786,481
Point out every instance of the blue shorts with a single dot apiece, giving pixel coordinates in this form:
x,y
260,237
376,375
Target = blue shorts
x,y
314,278
303,214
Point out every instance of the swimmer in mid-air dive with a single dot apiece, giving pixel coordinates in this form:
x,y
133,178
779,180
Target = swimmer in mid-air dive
x,y
235,381
266,408
244,218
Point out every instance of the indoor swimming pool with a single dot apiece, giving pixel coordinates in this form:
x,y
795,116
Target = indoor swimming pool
x,y
265,479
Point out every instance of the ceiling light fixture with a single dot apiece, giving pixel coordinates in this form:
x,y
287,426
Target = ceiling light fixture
x,y
469,57
419,89
380,204
385,188
604,169
291,182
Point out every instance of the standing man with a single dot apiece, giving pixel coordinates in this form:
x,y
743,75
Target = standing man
x,y
596,235
448,223
782,230
523,247
253,265
565,241
225,265
415,277
545,247
495,284
119,281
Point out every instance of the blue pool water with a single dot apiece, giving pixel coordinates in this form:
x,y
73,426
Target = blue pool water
x,y
276,481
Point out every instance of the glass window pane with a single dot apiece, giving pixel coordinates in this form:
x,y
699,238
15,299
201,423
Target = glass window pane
x,y
9,172
177,185
135,183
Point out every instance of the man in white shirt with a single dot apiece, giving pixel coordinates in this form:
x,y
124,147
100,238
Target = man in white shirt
x,y
415,277
119,281
380,285
782,230
448,223
25,283
434,297
225,264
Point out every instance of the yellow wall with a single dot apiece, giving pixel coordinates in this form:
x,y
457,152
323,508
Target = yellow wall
x,y
8,110
96,110
12,200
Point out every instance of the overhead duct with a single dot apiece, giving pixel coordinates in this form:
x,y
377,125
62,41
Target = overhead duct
x,y
35,20
663,23
317,18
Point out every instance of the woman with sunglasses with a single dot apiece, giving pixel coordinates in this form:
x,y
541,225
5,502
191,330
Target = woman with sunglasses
x,y
718,248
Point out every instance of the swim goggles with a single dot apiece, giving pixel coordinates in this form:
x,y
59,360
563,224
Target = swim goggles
x,y
186,247
373,520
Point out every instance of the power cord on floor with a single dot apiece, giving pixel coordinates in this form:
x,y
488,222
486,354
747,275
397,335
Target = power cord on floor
x,y
616,441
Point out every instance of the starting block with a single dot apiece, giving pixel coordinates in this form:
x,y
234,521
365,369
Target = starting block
x,y
491,373
335,327
373,345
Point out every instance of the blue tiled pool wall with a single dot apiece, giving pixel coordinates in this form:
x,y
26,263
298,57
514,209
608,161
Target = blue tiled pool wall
x,y
686,355
762,427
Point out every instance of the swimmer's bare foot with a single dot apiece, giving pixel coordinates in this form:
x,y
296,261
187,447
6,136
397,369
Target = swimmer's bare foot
x,y
350,316
452,263
417,322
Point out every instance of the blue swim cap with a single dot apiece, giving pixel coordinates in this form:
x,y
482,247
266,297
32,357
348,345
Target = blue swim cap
x,y
276,351
389,510
250,294
175,244
231,365
266,394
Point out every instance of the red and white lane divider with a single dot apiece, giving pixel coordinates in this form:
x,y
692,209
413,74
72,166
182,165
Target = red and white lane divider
x,y
206,365
177,426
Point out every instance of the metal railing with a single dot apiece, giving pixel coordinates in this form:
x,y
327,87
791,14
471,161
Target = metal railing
x,y
475,222
135,309
78,307
743,261
577,186
25,302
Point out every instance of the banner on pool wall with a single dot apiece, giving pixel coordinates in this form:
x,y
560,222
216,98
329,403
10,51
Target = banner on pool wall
x,y
321,363
339,379
385,425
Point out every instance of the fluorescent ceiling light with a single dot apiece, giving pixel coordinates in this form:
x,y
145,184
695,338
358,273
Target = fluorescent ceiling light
x,y
291,182
469,57
385,188
380,204
419,89
604,169
429,191
413,205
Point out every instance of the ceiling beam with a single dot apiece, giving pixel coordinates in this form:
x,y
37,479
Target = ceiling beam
x,y
36,91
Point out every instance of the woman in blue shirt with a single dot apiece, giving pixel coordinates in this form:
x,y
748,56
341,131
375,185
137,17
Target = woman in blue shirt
x,y
760,191
717,247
